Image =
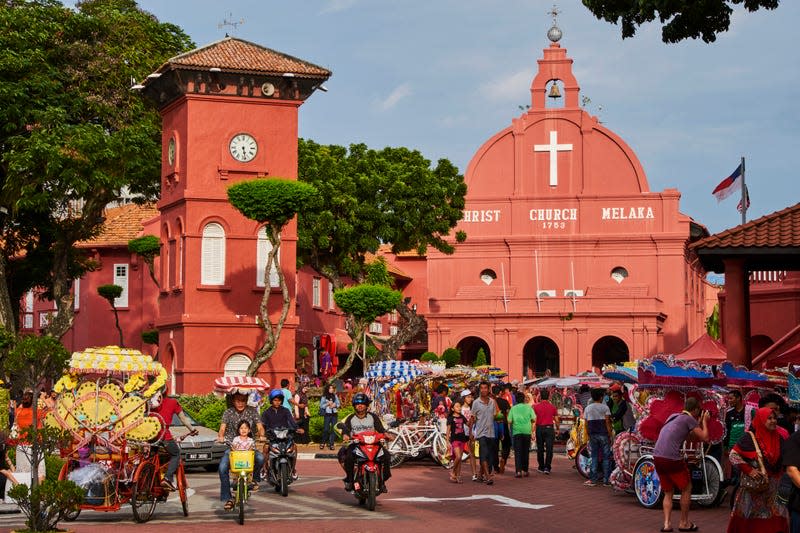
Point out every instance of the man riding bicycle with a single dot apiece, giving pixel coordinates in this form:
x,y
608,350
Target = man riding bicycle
x,y
166,408
356,423
277,416
231,418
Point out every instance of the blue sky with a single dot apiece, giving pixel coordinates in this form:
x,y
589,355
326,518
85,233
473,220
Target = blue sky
x,y
442,76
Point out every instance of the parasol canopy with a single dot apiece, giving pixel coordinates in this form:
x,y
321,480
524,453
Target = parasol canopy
x,y
704,350
239,384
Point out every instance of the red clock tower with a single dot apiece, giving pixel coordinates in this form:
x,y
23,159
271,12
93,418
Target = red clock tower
x,y
229,113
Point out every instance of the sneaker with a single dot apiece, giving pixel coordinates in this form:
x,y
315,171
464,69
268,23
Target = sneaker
x,y
295,477
547,472
606,483
541,470
383,489
476,478
348,486
168,484
490,481
589,483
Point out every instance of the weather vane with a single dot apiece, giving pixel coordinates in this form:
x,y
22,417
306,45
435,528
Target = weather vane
x,y
228,21
554,12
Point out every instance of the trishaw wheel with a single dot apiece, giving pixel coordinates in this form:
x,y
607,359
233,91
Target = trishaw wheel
x,y
583,461
143,495
646,484
439,451
715,489
182,487
71,516
241,496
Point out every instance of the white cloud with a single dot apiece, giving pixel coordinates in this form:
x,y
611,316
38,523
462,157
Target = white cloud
x,y
400,92
334,6
510,88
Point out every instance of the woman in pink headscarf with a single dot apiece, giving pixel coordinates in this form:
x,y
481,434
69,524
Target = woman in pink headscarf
x,y
757,511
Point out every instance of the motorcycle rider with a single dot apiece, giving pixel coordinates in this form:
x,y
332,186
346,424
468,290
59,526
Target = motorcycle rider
x,y
361,420
277,416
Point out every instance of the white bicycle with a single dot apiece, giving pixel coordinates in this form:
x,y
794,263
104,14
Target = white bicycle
x,y
411,439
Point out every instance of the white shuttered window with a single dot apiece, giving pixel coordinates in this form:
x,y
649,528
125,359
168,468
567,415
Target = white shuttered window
x,y
236,365
212,261
263,250
121,279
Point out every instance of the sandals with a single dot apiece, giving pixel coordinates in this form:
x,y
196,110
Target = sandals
x,y
230,504
692,527
666,530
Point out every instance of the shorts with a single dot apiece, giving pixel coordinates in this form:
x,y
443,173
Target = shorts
x,y
457,448
486,447
672,474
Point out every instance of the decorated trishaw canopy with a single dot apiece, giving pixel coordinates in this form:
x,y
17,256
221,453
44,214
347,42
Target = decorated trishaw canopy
x,y
239,384
395,369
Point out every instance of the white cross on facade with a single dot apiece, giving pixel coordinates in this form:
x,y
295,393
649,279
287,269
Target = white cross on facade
x,y
553,148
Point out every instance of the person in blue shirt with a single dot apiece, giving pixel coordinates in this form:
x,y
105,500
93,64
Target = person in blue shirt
x,y
288,398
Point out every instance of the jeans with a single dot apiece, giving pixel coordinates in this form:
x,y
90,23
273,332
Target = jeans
x,y
599,447
225,474
794,521
328,434
522,451
545,435
171,447
502,444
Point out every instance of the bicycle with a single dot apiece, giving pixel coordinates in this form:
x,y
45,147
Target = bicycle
x,y
241,472
408,440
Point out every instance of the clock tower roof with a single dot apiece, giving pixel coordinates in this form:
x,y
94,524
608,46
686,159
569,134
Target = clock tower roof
x,y
237,55
234,66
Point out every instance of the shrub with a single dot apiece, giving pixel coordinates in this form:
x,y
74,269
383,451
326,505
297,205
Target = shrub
x,y
452,357
150,336
52,466
46,504
317,422
429,356
210,416
194,403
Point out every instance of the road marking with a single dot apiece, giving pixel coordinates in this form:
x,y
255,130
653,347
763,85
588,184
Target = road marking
x,y
502,500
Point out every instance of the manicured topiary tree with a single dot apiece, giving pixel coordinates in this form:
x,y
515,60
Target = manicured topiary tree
x,y
480,359
363,304
272,202
111,292
148,248
451,357
429,357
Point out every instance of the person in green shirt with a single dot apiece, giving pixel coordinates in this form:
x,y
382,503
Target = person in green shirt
x,y
521,418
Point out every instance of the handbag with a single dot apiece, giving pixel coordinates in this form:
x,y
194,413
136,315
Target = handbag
x,y
762,483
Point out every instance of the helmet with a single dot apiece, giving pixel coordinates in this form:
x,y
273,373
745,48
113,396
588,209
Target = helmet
x,y
277,393
360,399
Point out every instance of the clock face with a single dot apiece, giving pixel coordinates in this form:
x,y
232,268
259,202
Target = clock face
x,y
243,147
171,151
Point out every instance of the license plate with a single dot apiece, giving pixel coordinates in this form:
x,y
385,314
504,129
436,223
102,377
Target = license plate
x,y
198,456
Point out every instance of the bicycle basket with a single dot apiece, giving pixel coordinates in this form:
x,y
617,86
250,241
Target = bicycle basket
x,y
242,461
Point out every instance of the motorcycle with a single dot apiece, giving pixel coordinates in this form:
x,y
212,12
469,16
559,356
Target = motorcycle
x,y
368,471
281,451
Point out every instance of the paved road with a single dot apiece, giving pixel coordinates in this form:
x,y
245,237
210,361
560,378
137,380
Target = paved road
x,y
420,499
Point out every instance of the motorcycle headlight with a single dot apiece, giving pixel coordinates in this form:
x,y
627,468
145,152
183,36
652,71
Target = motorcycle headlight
x,y
275,449
360,453
380,453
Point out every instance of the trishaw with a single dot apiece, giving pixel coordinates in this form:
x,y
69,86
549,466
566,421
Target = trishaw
x,y
667,383
103,402
241,462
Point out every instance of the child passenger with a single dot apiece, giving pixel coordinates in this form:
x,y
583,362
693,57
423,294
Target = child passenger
x,y
243,442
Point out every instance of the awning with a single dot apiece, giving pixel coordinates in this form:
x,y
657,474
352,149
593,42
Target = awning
x,y
704,350
342,340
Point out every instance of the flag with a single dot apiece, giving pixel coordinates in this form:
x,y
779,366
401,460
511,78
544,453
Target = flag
x,y
729,185
746,200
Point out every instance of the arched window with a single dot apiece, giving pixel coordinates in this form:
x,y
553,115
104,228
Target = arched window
x,y
212,261
263,250
236,365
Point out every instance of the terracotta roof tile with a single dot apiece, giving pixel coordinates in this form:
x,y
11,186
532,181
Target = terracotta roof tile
x,y
238,55
122,224
776,230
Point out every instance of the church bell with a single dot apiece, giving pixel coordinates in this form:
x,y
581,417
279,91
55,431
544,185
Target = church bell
x,y
554,92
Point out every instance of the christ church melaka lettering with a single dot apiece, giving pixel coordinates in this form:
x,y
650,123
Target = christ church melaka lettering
x,y
627,213
481,215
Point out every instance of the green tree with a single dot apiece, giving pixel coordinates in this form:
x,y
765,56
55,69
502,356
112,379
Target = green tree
x,y
110,293
363,304
372,197
74,136
480,358
713,324
273,202
452,357
148,247
680,19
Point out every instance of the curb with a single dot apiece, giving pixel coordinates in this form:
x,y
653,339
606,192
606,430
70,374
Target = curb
x,y
308,456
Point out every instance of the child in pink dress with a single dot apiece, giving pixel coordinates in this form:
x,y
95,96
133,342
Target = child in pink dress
x,y
243,442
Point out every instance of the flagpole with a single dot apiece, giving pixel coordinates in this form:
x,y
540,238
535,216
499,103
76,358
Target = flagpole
x,y
538,298
503,274
744,196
